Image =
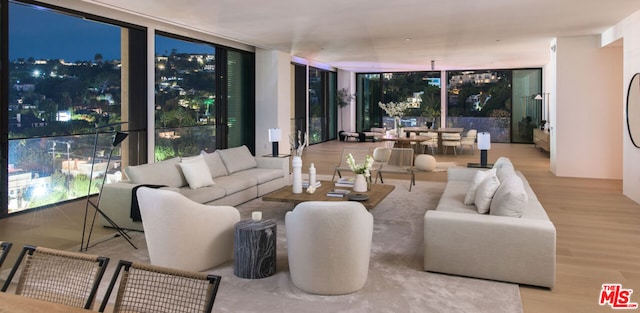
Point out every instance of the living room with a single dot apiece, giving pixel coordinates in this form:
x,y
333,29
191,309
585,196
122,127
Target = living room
x,y
579,121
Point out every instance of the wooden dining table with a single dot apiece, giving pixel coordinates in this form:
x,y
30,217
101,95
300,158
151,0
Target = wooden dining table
x,y
12,303
439,131
403,141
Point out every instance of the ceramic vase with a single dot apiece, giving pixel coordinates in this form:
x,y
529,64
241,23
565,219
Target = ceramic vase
x,y
360,183
296,164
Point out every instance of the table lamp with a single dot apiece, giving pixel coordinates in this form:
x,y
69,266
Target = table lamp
x,y
484,144
274,138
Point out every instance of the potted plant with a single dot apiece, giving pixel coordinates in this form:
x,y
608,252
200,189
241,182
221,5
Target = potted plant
x,y
343,98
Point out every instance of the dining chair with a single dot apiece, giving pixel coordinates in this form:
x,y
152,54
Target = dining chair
x,y
58,276
150,288
451,140
359,154
469,140
431,143
4,250
400,161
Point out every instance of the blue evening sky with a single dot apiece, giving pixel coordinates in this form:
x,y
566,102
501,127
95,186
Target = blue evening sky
x,y
42,34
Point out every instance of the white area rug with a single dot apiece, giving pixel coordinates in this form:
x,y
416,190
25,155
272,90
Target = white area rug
x,y
444,166
396,281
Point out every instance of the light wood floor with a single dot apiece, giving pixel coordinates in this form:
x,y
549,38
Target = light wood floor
x,y
598,233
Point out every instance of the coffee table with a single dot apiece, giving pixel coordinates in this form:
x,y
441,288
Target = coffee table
x,y
376,194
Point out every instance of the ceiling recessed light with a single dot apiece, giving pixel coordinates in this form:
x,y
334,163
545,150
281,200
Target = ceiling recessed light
x,y
407,39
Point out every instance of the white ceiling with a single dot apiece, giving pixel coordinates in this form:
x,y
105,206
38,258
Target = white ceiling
x,y
375,35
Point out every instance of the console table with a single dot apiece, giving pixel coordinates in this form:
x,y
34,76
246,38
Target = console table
x,y
541,139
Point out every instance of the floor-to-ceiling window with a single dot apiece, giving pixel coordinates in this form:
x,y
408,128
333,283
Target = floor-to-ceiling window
x,y
322,105
422,89
368,94
204,97
63,78
240,90
185,89
314,104
501,102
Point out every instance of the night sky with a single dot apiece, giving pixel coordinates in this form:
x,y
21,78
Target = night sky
x,y
42,34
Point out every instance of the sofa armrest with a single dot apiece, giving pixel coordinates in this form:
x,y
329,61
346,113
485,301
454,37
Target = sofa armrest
x,y
275,163
462,173
115,202
491,247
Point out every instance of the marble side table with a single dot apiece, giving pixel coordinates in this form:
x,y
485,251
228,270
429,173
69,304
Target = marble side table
x,y
255,249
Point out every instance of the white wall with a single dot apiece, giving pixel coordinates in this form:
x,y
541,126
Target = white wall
x,y
628,31
273,98
587,120
347,115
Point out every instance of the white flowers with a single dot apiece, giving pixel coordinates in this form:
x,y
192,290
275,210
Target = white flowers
x,y
360,168
296,149
394,109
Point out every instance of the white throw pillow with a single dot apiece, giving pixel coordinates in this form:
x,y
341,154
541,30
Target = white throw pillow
x,y
510,199
485,193
470,197
501,161
505,171
196,172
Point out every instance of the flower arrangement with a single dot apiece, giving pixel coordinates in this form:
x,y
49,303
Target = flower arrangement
x,y
364,168
296,149
394,109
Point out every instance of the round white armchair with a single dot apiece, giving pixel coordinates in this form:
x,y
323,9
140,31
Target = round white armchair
x,y
329,245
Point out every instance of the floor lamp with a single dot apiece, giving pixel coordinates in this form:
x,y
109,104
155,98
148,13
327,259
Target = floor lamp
x,y
118,137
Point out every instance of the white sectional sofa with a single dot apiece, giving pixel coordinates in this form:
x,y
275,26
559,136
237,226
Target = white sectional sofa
x,y
226,177
519,247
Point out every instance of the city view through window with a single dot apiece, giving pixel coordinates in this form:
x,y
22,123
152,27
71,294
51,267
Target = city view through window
x,y
65,79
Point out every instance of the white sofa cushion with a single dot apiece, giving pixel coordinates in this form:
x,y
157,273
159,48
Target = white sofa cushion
x,y
510,199
215,164
480,176
196,172
237,159
485,193
165,172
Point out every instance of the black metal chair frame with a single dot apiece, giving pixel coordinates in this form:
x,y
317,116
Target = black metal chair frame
x,y
102,263
6,246
214,282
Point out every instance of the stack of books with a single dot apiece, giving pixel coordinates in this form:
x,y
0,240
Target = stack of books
x,y
305,184
338,193
345,182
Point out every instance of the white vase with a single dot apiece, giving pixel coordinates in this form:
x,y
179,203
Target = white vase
x,y
296,163
360,183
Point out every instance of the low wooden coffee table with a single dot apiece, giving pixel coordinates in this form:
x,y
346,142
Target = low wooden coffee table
x,y
284,194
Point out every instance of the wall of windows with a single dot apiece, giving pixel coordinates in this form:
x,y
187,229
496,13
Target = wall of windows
x,y
67,75
501,102
424,87
57,94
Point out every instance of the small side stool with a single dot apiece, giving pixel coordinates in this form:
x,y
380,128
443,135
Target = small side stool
x,y
255,248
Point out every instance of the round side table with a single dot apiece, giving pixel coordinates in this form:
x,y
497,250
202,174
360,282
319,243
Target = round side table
x,y
255,249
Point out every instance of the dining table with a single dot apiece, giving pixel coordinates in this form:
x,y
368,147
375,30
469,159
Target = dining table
x,y
439,131
12,303
404,141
